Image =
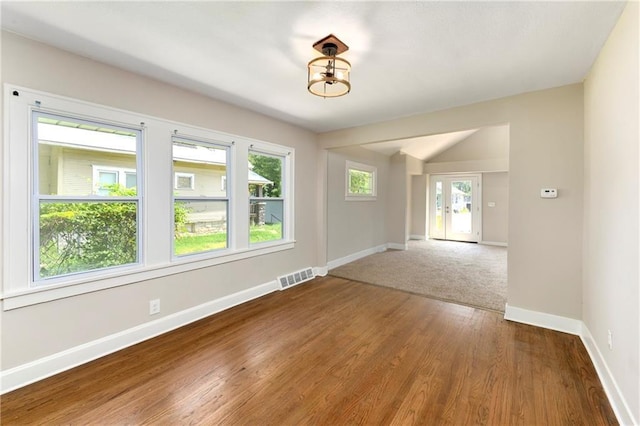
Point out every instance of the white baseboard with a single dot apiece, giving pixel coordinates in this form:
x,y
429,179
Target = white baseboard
x,y
541,319
494,243
417,237
396,246
355,256
321,271
572,326
616,399
31,372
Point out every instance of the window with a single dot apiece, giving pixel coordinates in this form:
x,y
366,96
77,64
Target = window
x,y
77,205
361,181
83,222
183,180
200,214
104,177
266,201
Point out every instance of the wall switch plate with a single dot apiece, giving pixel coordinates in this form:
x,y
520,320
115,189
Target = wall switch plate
x,y
549,193
491,204
154,306
610,339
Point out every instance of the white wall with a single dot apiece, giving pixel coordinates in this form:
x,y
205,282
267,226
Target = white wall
x,y
545,149
354,226
37,331
611,294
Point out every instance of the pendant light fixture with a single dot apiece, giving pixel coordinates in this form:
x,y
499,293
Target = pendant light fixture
x,y
328,76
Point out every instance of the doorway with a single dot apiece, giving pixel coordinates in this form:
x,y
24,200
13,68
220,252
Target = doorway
x,y
454,207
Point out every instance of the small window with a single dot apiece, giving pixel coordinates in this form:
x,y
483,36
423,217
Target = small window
x,y
184,181
361,181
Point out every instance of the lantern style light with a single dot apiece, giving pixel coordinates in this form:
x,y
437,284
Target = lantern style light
x,y
328,75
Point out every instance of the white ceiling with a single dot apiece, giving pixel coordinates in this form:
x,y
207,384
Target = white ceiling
x,y
407,57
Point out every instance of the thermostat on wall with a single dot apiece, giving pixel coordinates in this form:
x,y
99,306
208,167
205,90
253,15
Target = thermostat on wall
x,y
549,193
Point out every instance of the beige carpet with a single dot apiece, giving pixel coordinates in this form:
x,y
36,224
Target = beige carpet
x,y
465,273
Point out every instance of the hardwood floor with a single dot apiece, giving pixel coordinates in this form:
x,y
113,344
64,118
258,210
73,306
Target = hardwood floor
x,y
331,352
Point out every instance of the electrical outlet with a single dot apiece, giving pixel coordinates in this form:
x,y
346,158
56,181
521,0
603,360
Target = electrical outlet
x,y
154,306
609,339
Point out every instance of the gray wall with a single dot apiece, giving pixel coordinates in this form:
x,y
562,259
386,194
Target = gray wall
x,y
354,226
611,291
39,330
545,150
418,206
487,143
495,220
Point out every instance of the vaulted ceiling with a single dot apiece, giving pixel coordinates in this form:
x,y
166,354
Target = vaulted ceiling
x,y
407,57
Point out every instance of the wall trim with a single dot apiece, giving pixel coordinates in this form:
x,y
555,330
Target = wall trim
x,y
42,368
355,256
573,326
494,243
321,271
616,398
417,237
396,246
544,320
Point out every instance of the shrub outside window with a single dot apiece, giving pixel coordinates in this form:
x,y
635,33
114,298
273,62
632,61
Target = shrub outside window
x,y
87,215
361,181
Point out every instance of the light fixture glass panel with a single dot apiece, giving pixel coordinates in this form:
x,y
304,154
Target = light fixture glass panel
x,y
329,76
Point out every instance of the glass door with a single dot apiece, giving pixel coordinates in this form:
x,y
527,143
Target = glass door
x,y
455,207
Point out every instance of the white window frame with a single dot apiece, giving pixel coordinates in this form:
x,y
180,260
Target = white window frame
x,y
37,198
156,222
191,176
350,196
229,167
285,192
121,172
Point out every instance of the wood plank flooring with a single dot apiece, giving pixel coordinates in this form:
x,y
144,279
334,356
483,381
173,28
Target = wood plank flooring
x,y
331,352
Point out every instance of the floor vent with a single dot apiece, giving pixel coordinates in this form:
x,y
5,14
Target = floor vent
x,y
294,278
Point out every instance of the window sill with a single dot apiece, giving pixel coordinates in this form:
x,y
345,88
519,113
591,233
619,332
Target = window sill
x,y
360,198
77,286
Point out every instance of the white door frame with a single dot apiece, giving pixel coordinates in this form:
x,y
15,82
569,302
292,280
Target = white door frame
x,y
476,205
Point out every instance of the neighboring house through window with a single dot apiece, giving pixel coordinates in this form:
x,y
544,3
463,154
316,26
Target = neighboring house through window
x,y
200,212
72,213
105,177
266,196
183,180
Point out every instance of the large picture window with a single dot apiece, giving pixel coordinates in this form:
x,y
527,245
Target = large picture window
x,y
200,211
86,216
96,197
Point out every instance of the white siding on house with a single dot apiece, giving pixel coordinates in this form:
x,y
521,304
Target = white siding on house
x,y
207,179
